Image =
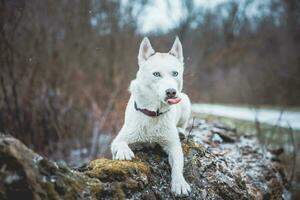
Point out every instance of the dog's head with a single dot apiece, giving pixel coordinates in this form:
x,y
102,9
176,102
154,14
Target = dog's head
x,y
160,74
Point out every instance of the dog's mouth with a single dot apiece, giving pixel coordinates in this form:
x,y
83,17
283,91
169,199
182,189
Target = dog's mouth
x,y
174,100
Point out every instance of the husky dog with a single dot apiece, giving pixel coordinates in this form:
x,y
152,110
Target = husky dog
x,y
157,109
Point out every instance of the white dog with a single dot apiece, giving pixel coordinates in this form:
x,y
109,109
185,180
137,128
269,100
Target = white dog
x,y
157,109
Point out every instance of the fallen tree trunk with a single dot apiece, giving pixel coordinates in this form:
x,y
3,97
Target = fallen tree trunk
x,y
219,164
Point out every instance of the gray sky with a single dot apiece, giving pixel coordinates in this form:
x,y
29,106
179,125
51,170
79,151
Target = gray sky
x,y
158,17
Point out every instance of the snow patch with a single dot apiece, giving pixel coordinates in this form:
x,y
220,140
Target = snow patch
x,y
268,116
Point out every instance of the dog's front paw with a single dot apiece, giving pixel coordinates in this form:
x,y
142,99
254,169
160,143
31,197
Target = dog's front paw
x,y
180,187
123,153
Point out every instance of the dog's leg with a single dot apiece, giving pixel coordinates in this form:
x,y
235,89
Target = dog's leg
x,y
178,184
185,113
181,126
119,147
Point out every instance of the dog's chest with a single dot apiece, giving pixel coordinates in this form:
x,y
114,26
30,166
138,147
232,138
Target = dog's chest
x,y
153,130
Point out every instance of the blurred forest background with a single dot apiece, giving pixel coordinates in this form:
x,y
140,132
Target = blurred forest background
x,y
65,65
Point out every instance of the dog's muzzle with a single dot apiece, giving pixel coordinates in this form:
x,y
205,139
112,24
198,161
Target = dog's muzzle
x,y
171,96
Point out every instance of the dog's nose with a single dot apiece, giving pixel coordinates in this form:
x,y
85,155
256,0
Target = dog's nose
x,y
171,93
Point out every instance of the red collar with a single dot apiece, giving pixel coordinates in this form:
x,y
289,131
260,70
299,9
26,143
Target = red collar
x,y
149,112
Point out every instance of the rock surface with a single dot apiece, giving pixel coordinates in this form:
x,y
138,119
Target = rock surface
x,y
219,164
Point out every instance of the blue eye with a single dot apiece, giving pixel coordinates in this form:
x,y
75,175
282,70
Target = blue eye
x,y
157,74
174,73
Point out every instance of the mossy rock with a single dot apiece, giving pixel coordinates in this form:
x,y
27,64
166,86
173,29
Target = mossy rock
x,y
215,170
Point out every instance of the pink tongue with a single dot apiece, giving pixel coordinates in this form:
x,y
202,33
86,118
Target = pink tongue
x,y
174,101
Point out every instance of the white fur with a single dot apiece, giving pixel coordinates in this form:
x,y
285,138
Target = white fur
x,y
149,92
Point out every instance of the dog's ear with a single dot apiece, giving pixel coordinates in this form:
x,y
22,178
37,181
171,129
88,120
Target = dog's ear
x,y
146,50
176,49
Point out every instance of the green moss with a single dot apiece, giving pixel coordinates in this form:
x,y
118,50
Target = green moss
x,y
117,166
119,173
103,168
70,185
